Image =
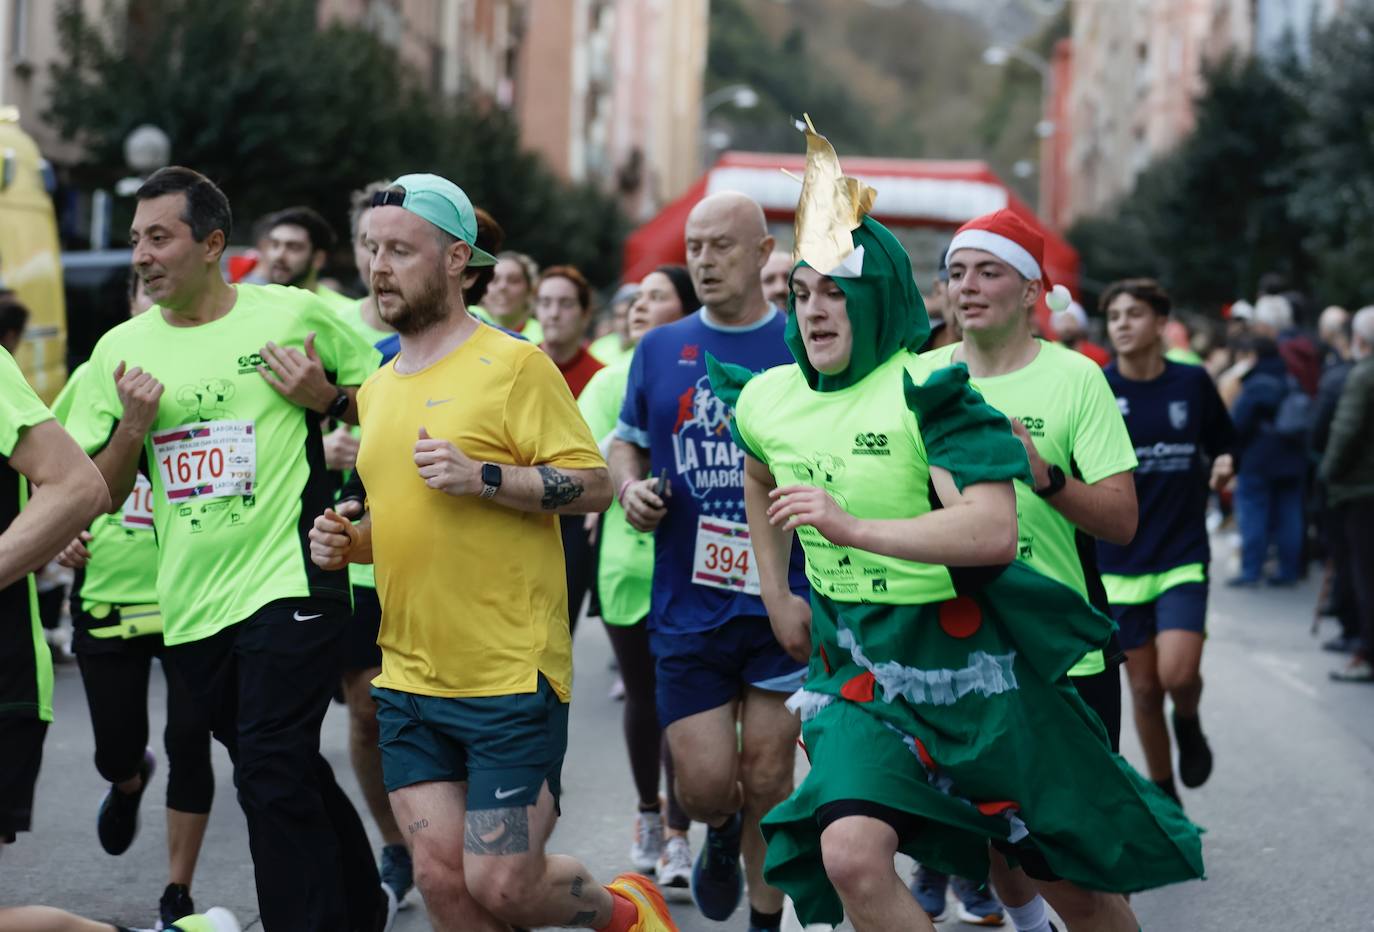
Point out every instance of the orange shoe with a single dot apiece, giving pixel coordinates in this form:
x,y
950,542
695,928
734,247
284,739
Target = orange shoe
x,y
653,911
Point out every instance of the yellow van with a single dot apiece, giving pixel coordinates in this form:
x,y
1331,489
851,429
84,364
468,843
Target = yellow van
x,y
29,257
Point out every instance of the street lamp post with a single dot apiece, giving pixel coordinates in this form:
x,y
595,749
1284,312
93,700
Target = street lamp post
x,y
998,56
741,96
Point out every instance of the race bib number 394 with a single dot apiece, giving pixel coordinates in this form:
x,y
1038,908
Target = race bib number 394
x,y
207,460
724,557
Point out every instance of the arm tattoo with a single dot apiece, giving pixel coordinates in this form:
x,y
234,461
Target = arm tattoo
x,y
559,488
497,831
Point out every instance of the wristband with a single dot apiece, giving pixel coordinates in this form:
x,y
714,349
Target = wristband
x,y
620,496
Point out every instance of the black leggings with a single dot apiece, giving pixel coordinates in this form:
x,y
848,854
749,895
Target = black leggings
x,y
115,673
644,738
579,564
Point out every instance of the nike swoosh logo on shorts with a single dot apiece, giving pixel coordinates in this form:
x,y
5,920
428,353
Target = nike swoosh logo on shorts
x,y
299,617
507,794
431,403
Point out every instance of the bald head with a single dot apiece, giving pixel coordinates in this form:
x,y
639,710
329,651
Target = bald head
x,y
1334,322
1362,325
727,247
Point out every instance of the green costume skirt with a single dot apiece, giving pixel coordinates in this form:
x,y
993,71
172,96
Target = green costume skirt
x,y
961,713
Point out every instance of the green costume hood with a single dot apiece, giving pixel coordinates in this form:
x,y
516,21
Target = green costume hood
x,y
886,313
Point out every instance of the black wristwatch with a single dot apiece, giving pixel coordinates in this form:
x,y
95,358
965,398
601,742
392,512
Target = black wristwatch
x,y
338,406
491,480
1057,482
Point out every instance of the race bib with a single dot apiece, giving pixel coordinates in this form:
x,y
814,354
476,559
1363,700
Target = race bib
x,y
209,460
137,512
724,557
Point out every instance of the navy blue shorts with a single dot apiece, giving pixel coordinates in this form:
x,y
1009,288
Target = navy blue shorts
x,y
1182,608
504,747
707,669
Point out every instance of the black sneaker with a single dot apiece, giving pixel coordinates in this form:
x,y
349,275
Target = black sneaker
x,y
175,904
1194,755
116,824
717,879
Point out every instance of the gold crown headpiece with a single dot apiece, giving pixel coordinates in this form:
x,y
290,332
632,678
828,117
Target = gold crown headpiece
x,y
831,207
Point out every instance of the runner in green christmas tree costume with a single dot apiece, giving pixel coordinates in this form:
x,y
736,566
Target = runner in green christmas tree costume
x,y
936,715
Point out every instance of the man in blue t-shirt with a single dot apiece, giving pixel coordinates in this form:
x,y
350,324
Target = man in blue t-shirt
x,y
1157,584
722,677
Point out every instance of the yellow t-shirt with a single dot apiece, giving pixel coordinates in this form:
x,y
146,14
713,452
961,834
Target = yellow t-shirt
x,y
473,596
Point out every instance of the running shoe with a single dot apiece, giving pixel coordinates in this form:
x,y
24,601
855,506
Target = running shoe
x,y
717,880
928,887
674,869
648,843
175,903
1357,670
116,824
387,908
653,911
398,872
1341,644
1194,755
216,919
977,907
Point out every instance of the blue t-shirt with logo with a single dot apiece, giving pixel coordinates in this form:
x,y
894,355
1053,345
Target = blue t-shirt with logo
x,y
1178,425
671,411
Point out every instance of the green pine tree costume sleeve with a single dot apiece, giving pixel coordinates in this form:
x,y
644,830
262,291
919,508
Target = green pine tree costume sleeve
x,y
963,433
728,381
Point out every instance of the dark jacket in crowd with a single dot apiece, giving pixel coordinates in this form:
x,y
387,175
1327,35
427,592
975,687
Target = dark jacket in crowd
x,y
1328,393
1348,466
1301,357
1261,450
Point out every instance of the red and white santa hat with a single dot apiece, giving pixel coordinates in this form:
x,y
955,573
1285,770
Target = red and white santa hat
x,y
1011,239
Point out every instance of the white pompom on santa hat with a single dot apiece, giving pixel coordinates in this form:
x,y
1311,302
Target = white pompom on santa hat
x,y
1005,235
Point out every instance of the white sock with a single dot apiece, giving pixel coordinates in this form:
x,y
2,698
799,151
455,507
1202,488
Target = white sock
x,y
1031,917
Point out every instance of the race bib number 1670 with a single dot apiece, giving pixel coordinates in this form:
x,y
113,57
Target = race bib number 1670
x,y
208,460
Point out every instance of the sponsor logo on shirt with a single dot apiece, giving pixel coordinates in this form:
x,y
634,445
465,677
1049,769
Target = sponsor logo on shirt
x,y
871,444
1035,426
691,352
704,453
1178,414
250,363
207,400
880,585
1123,404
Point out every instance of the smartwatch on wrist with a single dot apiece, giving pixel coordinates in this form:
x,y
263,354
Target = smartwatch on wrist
x,y
338,406
491,480
1057,482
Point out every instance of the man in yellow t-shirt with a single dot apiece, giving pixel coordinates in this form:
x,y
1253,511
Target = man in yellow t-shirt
x,y
472,446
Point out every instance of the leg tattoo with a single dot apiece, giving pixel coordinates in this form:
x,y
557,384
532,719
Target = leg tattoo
x,y
497,831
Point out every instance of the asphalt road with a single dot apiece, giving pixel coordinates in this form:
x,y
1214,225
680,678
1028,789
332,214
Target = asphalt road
x,y
1286,811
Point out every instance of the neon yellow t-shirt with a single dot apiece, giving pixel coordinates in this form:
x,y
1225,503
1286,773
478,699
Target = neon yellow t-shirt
x,y
123,566
531,331
361,574
1064,401
473,596
237,470
862,445
610,350
625,569
338,302
22,647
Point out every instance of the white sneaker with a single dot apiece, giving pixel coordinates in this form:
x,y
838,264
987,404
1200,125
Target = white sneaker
x,y
675,869
648,843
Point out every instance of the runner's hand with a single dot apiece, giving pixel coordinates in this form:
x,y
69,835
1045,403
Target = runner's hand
x,y
445,467
591,523
334,536
298,377
797,505
139,394
75,556
643,508
1223,471
1039,468
791,623
340,449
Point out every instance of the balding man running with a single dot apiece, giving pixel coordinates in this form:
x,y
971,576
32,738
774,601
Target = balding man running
x,y
722,678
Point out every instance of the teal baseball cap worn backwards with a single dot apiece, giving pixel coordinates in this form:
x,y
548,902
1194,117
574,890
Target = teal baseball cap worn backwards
x,y
442,203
